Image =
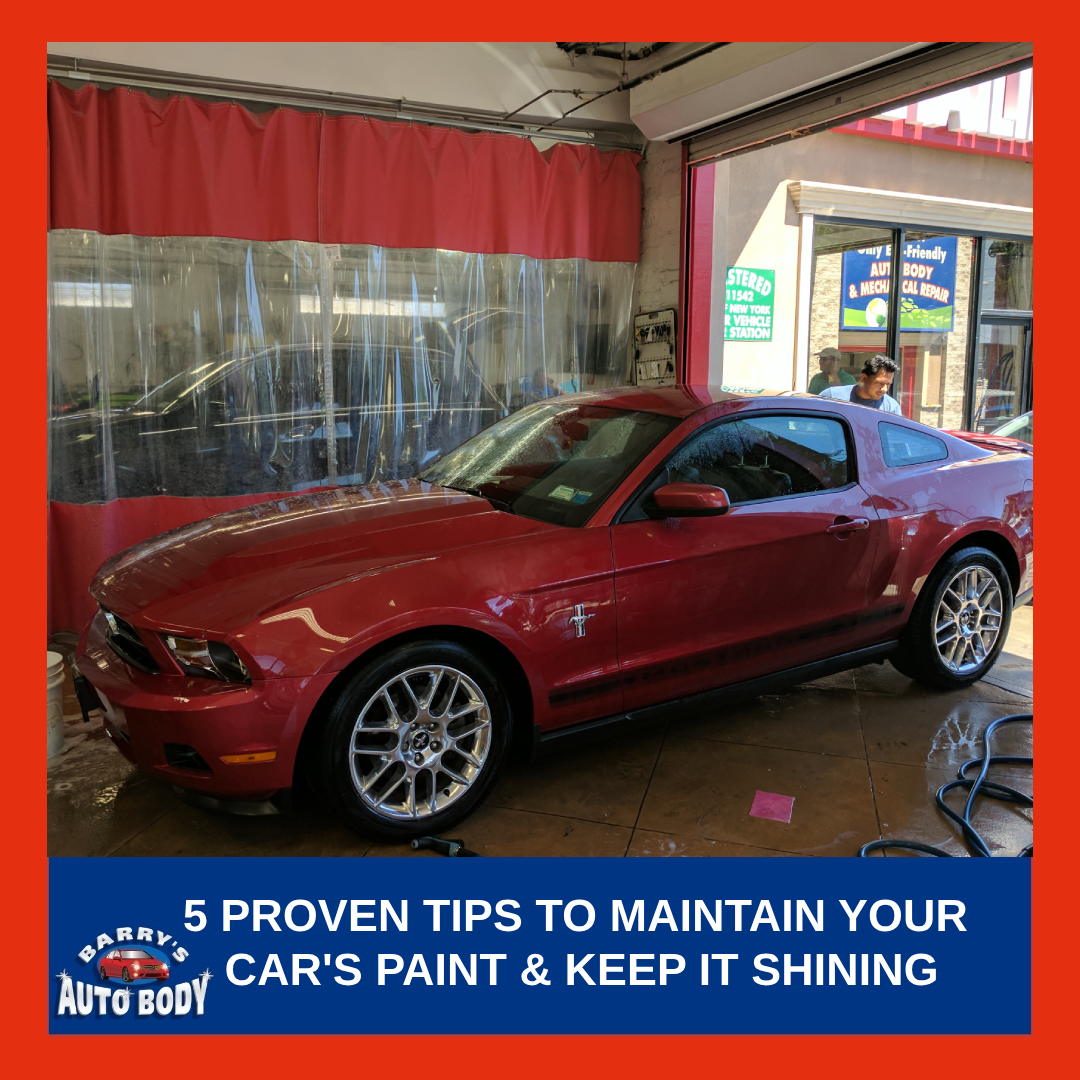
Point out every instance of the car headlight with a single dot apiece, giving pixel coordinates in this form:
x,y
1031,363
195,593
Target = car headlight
x,y
136,965
210,659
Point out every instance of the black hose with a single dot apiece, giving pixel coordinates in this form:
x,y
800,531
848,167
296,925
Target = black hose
x,y
452,848
979,786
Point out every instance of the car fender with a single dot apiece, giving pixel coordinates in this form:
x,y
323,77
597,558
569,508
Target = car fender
x,y
372,637
502,590
1005,511
326,655
930,558
927,510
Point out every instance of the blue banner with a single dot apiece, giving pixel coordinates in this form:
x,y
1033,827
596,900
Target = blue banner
x,y
559,946
927,288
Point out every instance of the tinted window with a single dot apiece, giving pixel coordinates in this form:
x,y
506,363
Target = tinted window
x,y
767,457
906,446
135,954
556,461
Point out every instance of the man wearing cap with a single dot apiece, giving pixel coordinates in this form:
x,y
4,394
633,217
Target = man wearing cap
x,y
831,373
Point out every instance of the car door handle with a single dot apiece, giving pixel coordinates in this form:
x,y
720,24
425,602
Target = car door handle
x,y
851,525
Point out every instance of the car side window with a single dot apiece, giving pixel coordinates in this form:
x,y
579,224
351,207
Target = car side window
x,y
766,457
905,446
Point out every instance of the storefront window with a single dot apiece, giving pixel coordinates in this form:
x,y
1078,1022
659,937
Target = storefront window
x,y
934,320
849,316
1006,275
844,330
999,374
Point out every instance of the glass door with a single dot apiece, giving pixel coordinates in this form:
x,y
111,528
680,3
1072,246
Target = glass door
x,y
1003,375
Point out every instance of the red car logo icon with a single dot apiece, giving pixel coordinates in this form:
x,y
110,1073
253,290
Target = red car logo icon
x,y
132,964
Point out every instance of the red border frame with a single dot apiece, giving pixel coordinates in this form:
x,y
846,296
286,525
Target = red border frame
x,y
23,900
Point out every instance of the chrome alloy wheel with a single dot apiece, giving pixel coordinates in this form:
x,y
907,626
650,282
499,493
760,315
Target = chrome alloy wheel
x,y
968,619
420,742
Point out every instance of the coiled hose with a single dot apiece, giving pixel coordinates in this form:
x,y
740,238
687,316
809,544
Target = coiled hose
x,y
977,846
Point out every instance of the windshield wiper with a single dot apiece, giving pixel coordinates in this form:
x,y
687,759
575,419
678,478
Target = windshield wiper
x,y
499,504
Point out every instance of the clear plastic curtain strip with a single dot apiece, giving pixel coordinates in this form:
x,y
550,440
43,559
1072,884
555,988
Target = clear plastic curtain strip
x,y
195,366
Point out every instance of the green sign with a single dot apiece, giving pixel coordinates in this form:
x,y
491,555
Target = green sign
x,y
748,304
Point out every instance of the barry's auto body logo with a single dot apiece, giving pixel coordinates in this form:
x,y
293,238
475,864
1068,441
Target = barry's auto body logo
x,y
133,970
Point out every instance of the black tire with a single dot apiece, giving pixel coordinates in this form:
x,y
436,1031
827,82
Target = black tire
x,y
125,975
360,757
927,654
103,973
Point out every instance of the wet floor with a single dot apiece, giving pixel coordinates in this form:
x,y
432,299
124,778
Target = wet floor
x,y
861,754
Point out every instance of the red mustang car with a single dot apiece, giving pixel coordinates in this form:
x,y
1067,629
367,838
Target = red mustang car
x,y
132,964
589,560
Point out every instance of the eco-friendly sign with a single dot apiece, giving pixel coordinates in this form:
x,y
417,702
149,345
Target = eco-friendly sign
x,y
927,288
748,304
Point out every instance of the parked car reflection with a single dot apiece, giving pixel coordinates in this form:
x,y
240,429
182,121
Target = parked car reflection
x,y
1021,427
256,422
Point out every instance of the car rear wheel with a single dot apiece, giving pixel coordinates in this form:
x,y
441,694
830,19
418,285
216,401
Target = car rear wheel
x,y
413,743
104,975
960,621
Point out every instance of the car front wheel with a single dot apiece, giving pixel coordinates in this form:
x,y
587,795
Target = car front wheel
x,y
413,743
125,975
960,621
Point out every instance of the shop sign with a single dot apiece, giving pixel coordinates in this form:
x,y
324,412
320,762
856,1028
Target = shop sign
x,y
748,304
927,290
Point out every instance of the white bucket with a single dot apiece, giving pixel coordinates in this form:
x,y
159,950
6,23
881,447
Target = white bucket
x,y
54,717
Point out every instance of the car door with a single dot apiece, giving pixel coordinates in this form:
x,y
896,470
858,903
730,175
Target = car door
x,y
777,581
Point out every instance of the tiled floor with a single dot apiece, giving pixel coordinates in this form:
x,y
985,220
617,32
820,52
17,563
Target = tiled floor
x,y
862,754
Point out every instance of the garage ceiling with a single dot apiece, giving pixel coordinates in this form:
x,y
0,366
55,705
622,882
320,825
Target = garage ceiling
x,y
751,94
520,86
724,97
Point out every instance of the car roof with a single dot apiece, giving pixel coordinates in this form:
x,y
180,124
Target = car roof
x,y
679,401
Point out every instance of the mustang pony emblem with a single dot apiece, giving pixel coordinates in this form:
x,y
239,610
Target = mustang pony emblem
x,y
577,620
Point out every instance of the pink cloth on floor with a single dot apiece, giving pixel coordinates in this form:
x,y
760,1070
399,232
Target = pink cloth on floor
x,y
776,807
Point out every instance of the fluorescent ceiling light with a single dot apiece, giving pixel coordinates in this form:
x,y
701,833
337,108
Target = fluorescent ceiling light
x,y
354,305
91,294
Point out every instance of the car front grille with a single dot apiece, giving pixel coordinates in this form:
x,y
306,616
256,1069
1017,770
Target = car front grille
x,y
126,643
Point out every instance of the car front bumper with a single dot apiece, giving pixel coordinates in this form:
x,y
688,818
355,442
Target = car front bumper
x,y
149,716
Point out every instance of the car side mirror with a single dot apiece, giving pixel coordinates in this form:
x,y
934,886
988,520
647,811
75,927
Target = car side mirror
x,y
688,500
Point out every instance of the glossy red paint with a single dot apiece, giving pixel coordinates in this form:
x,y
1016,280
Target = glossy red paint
x,y
703,602
699,498
303,587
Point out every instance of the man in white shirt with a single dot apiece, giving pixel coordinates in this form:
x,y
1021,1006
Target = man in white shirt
x,y
872,388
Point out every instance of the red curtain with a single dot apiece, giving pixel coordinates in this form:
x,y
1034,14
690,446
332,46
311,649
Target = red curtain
x,y
122,162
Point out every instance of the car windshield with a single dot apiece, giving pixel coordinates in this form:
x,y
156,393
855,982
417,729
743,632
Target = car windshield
x,y
555,461
134,954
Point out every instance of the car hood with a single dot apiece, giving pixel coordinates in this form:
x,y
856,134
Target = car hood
x,y
227,570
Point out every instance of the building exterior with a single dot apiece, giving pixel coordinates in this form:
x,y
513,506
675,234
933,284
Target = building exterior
x,y
908,234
